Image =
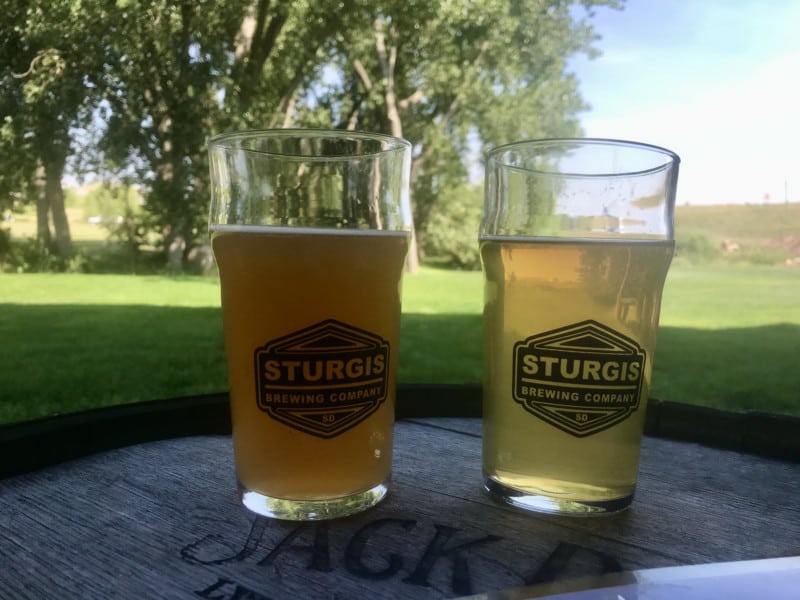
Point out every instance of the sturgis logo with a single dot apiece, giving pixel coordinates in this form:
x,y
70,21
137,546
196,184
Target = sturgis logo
x,y
323,379
582,378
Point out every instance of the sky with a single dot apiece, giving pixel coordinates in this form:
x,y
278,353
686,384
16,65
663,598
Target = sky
x,y
716,81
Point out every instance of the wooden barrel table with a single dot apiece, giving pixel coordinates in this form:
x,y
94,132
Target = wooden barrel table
x,y
140,502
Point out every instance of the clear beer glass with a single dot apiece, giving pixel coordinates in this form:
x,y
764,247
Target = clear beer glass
x,y
576,239
310,232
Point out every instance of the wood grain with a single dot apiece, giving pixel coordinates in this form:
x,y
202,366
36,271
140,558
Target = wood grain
x,y
162,520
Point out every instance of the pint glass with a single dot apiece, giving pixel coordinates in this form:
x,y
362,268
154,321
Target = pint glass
x,y
575,241
310,233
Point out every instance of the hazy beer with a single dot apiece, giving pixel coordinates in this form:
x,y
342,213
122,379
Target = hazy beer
x,y
276,282
540,286
310,233
576,239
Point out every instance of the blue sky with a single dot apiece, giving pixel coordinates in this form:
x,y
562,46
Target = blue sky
x,y
716,81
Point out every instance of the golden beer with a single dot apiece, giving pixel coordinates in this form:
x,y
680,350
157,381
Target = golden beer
x,y
277,281
570,328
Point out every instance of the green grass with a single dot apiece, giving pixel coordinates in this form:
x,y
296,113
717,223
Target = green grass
x,y
724,297
730,338
72,342
440,337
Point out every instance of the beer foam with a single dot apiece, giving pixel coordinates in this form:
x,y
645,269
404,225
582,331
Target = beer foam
x,y
277,230
583,238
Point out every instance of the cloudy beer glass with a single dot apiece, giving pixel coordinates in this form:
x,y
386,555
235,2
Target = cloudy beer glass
x,y
310,233
576,239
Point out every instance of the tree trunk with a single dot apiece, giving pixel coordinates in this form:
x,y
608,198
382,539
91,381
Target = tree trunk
x,y
388,58
43,234
54,170
175,248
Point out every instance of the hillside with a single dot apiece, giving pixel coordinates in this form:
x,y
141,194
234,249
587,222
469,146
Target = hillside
x,y
760,233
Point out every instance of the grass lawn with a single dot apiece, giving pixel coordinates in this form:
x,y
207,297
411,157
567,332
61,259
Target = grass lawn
x,y
730,338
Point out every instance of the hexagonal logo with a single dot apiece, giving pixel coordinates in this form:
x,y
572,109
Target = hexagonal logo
x,y
324,379
582,379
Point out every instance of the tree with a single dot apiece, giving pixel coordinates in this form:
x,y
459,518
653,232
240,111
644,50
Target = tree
x,y
445,73
198,68
18,165
154,79
48,55
158,88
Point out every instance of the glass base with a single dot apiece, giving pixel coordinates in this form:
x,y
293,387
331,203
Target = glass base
x,y
312,510
553,504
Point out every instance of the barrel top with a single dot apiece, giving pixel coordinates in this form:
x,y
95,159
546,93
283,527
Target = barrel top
x,y
162,519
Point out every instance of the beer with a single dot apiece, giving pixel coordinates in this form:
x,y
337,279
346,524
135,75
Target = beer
x,y
570,328
321,297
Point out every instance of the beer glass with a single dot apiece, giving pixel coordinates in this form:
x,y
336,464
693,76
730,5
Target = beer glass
x,y
310,232
576,238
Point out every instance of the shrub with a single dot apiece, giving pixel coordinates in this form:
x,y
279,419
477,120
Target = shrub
x,y
451,234
28,255
5,243
696,247
128,233
762,255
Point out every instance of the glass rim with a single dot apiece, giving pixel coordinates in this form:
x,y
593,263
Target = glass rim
x,y
233,140
671,158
